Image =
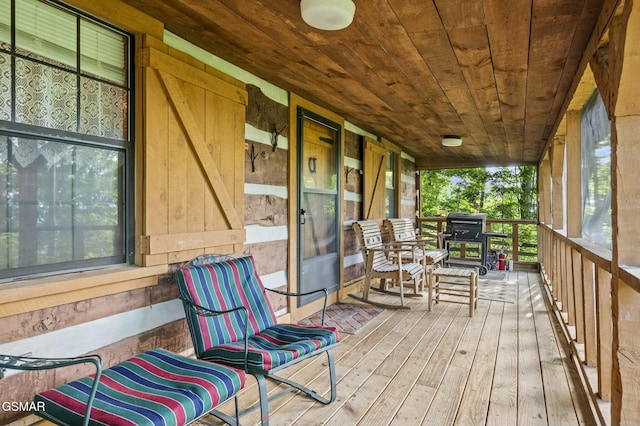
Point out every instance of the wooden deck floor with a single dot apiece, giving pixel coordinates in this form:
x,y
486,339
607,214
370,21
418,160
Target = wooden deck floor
x,y
504,366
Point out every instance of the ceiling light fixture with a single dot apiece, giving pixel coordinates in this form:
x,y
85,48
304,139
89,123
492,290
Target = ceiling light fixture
x,y
451,140
328,15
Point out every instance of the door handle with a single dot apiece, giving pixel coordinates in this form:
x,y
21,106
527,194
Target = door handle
x,y
303,217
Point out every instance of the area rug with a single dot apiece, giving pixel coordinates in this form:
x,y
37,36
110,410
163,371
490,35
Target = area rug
x,y
498,288
346,317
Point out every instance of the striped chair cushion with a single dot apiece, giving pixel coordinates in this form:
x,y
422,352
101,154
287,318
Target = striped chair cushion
x,y
154,388
223,286
276,346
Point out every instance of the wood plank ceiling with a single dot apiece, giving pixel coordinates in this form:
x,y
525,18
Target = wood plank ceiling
x,y
494,72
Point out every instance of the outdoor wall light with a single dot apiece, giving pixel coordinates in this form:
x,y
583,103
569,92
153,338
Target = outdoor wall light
x,y
328,15
451,140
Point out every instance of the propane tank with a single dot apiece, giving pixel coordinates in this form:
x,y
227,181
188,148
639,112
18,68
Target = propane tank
x,y
501,260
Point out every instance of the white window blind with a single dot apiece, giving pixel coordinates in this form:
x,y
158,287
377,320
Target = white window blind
x,y
103,52
5,23
50,34
46,32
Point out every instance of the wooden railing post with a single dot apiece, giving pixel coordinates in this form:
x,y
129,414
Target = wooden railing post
x,y
590,335
605,332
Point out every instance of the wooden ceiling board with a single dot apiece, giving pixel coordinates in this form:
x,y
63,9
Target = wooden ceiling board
x,y
416,16
508,29
465,25
497,73
436,48
573,68
474,58
552,30
411,68
549,33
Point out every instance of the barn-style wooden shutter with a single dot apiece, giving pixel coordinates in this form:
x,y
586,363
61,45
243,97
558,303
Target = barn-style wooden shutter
x,y
191,148
374,167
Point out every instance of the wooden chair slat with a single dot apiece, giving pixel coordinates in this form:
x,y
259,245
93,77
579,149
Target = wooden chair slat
x,y
379,264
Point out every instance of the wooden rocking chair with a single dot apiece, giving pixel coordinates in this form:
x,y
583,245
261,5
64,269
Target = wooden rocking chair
x,y
402,231
387,262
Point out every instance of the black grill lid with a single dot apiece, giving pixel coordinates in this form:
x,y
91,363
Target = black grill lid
x,y
467,217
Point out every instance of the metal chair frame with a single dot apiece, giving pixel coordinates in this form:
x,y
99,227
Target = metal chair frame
x,y
260,374
27,363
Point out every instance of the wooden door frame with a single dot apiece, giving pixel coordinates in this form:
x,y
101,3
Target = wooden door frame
x,y
398,174
295,101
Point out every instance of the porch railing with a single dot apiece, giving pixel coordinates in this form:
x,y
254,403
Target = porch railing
x,y
577,276
520,245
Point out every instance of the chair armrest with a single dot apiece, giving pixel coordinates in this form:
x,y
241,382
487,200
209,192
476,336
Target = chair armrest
x,y
206,312
398,251
25,363
298,294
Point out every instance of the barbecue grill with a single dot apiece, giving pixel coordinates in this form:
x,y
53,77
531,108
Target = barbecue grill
x,y
469,228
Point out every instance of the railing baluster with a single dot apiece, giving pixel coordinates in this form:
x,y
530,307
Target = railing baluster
x,y
605,332
590,337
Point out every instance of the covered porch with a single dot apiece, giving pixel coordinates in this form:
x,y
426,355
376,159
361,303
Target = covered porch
x,y
213,158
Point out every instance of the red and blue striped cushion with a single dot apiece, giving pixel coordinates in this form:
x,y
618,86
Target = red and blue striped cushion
x,y
223,286
156,387
275,346
232,283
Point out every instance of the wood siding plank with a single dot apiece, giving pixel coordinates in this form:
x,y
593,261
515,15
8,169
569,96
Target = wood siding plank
x,y
477,393
531,401
196,139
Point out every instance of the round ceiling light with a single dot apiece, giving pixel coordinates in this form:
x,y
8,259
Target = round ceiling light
x,y
450,140
328,15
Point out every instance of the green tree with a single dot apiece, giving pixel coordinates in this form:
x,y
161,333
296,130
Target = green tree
x,y
500,193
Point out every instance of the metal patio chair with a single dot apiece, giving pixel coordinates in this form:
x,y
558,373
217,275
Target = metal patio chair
x,y
232,322
156,387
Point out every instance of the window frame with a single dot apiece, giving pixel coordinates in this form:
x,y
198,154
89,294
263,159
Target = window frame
x,y
397,180
125,146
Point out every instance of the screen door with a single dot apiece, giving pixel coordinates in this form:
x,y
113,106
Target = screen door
x,y
319,204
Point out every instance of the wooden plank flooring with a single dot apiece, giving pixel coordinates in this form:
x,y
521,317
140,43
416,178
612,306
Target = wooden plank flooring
x,y
504,366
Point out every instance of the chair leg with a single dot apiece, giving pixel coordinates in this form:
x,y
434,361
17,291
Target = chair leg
x,y
264,399
431,279
310,392
332,376
472,293
477,287
235,401
367,286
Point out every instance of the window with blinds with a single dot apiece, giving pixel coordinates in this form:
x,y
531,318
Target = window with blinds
x,y
65,144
